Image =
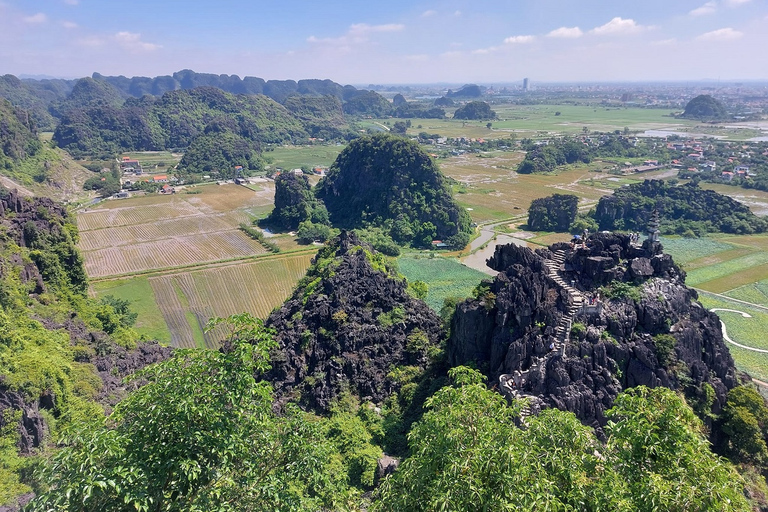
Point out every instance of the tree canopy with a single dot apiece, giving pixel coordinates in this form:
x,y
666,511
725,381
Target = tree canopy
x,y
705,107
553,213
390,182
475,110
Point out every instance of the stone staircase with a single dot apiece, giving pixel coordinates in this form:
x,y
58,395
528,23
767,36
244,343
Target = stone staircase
x,y
511,384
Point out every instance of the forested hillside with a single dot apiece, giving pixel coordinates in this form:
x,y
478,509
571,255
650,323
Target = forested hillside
x,y
62,355
391,183
18,136
686,209
173,121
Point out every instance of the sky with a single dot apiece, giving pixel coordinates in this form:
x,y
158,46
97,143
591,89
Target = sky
x,y
394,42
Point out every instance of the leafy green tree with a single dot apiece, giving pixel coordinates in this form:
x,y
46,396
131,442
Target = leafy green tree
x,y
200,435
553,213
745,422
467,454
309,232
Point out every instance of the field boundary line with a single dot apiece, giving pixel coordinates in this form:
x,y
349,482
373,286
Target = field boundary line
x,y
202,265
705,292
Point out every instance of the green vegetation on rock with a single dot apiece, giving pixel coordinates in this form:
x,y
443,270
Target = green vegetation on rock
x,y
391,182
685,209
475,110
553,213
705,107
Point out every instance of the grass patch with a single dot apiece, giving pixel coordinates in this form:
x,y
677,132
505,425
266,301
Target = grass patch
x,y
295,157
686,250
445,277
747,331
702,275
138,291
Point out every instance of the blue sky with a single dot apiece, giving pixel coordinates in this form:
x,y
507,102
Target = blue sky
x,y
397,41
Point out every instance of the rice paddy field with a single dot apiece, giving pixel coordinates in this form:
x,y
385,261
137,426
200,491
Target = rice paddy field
x,y
153,232
188,300
295,157
491,190
181,259
731,272
445,277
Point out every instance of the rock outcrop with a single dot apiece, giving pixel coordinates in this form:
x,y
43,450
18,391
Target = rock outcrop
x,y
632,322
349,325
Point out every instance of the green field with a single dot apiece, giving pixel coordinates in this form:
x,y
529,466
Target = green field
x,y
746,331
445,277
139,293
295,157
155,160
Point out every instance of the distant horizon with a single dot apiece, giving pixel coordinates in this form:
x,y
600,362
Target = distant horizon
x,y
533,81
400,42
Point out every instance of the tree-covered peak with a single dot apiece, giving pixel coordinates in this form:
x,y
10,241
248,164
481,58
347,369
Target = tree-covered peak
x,y
391,182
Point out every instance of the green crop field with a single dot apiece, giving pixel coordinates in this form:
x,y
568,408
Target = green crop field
x,y
155,160
139,293
295,157
445,277
188,300
686,250
746,331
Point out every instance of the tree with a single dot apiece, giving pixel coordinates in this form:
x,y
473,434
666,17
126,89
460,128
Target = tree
x,y
553,213
746,425
200,435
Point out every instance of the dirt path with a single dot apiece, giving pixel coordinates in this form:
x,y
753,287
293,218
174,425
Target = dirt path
x,y
10,184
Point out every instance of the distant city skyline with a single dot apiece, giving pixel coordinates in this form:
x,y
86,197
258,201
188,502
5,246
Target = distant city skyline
x,y
453,41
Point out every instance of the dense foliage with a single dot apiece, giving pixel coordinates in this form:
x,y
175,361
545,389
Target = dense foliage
x,y
553,213
705,107
391,182
294,203
35,96
88,92
219,152
547,157
368,103
200,435
50,334
475,110
686,210
18,136
467,454
173,121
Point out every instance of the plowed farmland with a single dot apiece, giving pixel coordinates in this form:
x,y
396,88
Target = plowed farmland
x,y
189,251
187,300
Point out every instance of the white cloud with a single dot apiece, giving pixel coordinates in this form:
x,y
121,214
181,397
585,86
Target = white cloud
x,y
69,24
485,51
664,42
736,3
427,14
618,26
520,39
132,41
457,13
357,33
72,2
721,34
707,8
36,18
566,32
417,58
364,28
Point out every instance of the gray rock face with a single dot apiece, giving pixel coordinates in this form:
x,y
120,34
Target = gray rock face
x,y
349,330
613,348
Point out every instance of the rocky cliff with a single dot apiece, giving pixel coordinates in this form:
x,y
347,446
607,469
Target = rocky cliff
x,y
53,351
573,326
351,324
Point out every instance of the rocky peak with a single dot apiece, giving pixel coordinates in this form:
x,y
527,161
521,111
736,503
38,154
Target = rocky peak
x,y
349,325
575,324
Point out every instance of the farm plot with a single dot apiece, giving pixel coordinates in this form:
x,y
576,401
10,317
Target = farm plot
x,y
188,300
445,277
745,331
170,252
494,191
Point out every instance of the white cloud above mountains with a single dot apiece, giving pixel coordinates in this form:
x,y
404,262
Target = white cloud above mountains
x,y
566,33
